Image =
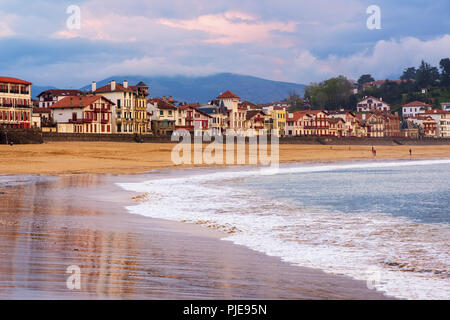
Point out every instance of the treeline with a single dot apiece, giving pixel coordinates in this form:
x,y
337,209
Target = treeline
x,y
425,83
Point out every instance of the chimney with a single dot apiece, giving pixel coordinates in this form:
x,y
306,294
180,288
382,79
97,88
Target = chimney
x,y
94,86
113,85
125,84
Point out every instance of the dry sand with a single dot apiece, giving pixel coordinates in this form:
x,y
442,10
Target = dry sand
x,y
122,158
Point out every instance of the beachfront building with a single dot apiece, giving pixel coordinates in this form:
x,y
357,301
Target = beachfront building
x,y
392,126
235,111
295,123
48,97
337,127
371,104
130,109
278,116
163,116
429,127
411,129
83,114
142,123
196,120
42,117
375,123
255,121
352,124
414,109
319,124
15,103
443,123
219,117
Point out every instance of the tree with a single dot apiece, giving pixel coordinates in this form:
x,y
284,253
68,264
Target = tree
x,y
444,64
427,75
364,79
330,94
409,74
295,101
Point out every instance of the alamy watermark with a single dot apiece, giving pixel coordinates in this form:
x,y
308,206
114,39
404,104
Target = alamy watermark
x,y
73,22
374,20
228,148
73,282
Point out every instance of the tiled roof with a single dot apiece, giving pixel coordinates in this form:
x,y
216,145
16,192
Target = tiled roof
x,y
437,111
42,110
416,104
13,80
119,88
77,102
251,113
61,92
228,95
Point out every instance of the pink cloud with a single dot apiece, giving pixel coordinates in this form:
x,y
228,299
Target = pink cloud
x,y
232,27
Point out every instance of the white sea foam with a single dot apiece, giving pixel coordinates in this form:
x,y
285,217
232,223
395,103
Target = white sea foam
x,y
409,260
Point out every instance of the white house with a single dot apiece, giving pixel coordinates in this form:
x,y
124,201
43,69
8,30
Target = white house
x,y
414,108
369,104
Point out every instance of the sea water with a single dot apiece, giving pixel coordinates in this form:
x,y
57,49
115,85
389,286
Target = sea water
x,y
385,222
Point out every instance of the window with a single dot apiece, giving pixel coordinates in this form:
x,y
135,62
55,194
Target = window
x,y
161,113
118,103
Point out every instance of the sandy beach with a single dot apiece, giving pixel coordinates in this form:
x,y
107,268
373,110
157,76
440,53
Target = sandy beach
x,y
70,212
124,158
55,222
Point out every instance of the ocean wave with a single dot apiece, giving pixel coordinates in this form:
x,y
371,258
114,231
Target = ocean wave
x,y
395,255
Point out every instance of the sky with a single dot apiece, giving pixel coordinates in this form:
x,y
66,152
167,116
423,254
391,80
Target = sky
x,y
286,40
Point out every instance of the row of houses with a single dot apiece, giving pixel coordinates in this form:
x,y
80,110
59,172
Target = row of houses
x,y
121,108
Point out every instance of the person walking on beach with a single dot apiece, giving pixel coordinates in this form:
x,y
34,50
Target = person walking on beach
x,y
410,152
374,152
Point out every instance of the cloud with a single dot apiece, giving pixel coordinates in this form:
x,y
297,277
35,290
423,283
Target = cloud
x,y
6,21
385,59
232,27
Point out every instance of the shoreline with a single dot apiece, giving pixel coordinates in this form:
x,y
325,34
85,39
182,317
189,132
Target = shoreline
x,y
223,271
58,158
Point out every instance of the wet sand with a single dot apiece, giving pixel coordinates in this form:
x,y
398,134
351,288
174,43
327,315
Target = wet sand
x,y
56,222
125,158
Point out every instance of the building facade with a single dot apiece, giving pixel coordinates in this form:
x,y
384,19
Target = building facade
x,y
48,97
414,109
15,103
130,106
371,104
84,114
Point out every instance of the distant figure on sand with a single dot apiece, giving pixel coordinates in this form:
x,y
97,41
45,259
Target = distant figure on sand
x,y
410,152
374,152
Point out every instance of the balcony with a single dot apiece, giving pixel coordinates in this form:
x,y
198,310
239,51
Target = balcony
x,y
80,121
104,121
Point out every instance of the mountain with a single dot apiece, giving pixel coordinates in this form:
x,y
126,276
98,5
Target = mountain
x,y
203,89
35,90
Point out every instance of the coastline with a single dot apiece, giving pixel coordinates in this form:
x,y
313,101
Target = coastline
x,y
81,219
58,158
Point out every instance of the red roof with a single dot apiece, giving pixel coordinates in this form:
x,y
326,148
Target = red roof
x,y
119,88
228,95
77,102
13,80
161,104
416,104
437,111
61,92
41,110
